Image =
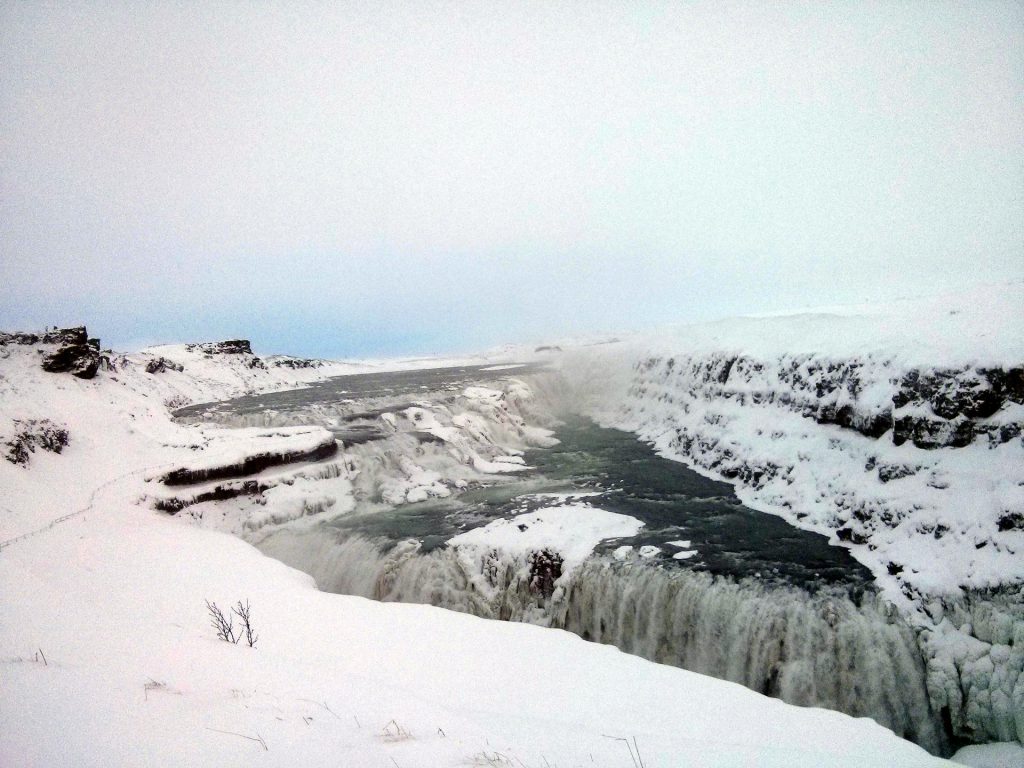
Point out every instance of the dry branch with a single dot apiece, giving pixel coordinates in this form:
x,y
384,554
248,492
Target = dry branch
x,y
257,738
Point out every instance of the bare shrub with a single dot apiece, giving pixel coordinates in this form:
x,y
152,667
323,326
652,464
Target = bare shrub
x,y
243,612
223,624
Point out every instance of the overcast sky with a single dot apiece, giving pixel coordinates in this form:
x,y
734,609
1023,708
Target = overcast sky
x,y
373,178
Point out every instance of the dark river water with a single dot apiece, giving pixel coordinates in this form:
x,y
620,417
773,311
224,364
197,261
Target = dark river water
x,y
674,502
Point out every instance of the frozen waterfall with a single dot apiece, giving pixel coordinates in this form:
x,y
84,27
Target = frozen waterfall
x,y
822,650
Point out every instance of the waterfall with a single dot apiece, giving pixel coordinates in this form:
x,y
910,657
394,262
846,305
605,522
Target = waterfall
x,y
823,650
956,676
820,650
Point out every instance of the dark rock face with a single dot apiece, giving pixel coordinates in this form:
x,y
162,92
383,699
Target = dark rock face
x,y
545,570
951,403
162,364
890,472
976,394
826,391
220,493
931,408
250,465
932,433
229,347
32,434
81,360
296,363
870,425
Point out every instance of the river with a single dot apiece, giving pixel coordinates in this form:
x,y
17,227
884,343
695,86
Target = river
x,y
755,600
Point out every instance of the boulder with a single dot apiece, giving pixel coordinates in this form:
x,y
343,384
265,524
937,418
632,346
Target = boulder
x,y
162,364
78,359
929,433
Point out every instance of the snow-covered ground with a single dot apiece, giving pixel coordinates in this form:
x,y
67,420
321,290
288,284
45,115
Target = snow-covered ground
x,y
107,657
894,429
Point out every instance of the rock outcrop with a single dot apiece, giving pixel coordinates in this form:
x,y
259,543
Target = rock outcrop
x,y
296,363
230,490
950,407
81,360
74,352
251,464
229,347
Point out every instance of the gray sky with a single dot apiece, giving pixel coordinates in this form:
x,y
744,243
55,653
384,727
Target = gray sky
x,y
375,178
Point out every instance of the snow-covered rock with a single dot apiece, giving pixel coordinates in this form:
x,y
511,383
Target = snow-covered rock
x,y
223,453
62,350
542,548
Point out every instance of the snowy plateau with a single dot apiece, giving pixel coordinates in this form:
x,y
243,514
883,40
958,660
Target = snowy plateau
x,y
894,430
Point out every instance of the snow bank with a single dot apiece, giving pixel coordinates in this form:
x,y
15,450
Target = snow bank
x,y
980,326
134,675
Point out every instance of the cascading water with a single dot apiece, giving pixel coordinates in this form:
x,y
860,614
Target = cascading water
x,y
820,650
